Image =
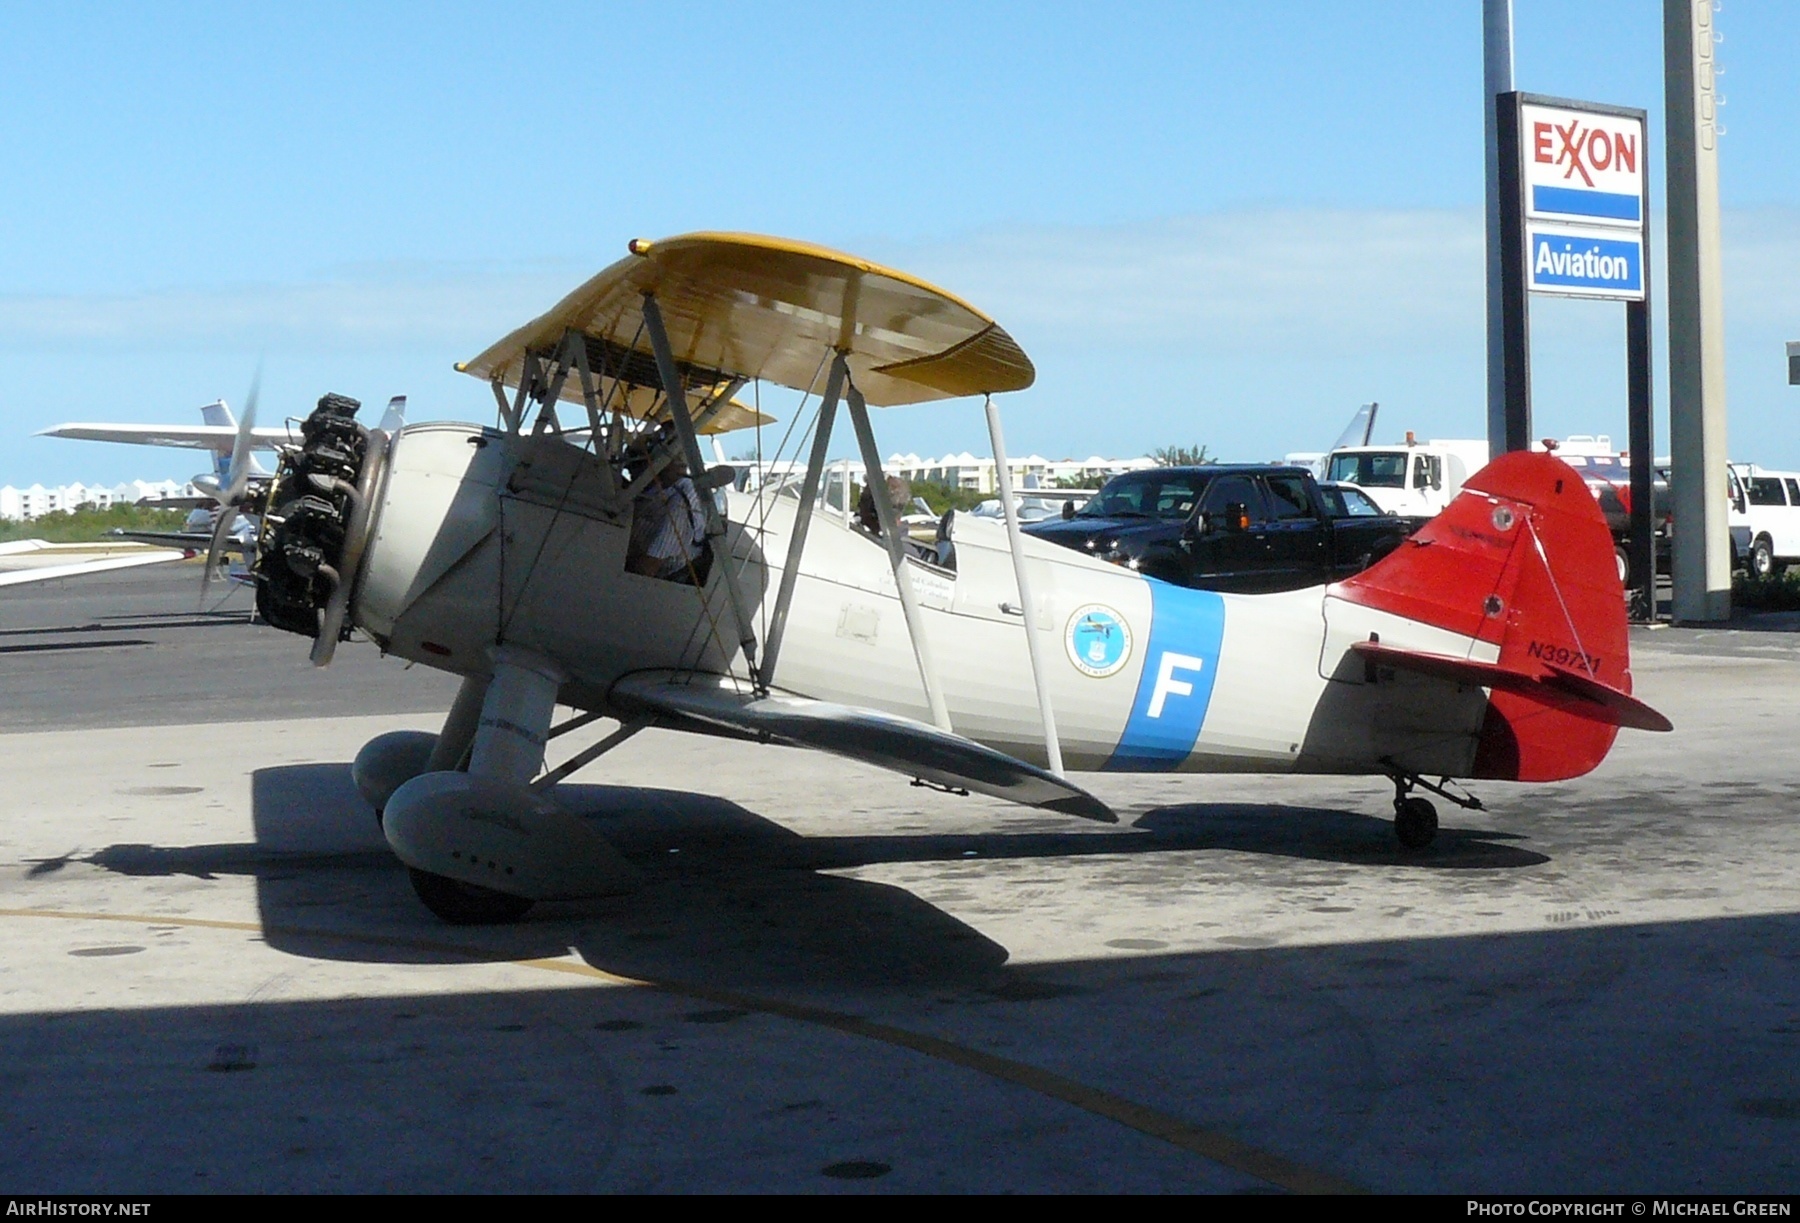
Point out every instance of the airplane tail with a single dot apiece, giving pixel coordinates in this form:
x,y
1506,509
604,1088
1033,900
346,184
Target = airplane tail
x,y
1522,560
219,416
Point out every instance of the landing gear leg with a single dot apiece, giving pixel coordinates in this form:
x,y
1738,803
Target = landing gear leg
x,y
499,723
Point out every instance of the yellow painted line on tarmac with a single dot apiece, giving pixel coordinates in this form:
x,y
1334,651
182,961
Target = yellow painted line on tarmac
x,y
1214,1145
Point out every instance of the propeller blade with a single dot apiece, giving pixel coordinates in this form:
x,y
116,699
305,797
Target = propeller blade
x,y
221,532
394,419
237,479
239,474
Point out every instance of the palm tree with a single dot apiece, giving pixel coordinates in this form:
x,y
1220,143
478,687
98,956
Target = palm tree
x,y
1181,456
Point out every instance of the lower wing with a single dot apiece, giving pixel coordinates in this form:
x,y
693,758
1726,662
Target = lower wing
x,y
881,739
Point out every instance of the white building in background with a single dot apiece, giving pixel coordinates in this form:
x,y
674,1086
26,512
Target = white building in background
x,y
17,504
973,474
964,471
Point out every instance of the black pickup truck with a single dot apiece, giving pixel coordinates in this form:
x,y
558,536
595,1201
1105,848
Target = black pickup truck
x,y
1251,529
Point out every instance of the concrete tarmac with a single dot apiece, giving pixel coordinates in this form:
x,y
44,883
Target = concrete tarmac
x,y
217,977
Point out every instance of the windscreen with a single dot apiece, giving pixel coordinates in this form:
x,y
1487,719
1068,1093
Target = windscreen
x,y
1348,503
1379,470
1147,494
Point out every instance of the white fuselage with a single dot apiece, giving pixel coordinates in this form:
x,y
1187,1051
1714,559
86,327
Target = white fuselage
x,y
480,538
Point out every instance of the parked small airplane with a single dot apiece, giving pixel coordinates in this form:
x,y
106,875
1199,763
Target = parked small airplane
x,y
219,433
1491,645
217,522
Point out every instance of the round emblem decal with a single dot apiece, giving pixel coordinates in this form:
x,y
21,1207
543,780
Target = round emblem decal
x,y
1098,640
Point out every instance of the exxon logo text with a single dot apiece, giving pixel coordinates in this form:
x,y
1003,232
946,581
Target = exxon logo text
x,y
1578,149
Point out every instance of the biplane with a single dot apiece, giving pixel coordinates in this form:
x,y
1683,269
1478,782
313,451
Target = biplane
x,y
1492,645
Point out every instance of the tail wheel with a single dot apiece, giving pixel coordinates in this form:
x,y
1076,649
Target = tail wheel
x,y
1415,822
1762,557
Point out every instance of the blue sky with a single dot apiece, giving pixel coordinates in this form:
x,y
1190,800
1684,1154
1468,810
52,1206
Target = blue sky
x,y
1208,224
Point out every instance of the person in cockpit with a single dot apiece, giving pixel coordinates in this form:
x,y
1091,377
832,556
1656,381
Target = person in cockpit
x,y
668,527
899,496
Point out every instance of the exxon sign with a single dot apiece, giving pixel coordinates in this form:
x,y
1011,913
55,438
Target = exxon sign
x,y
1584,202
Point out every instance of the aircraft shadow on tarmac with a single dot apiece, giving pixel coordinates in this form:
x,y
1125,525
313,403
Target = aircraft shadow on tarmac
x,y
727,896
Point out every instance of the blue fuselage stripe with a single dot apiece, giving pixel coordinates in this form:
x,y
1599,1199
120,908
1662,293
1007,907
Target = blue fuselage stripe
x,y
1187,628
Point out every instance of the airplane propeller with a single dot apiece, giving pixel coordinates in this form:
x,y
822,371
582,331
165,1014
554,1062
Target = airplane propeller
x,y
237,479
394,419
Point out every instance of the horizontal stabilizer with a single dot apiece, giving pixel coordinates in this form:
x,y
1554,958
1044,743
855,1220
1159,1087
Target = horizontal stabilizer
x,y
191,542
900,744
1550,684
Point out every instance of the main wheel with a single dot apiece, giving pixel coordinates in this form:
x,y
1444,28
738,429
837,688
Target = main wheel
x,y
1762,557
466,904
1415,822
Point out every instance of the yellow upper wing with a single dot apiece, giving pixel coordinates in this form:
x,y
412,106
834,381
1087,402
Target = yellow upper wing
x,y
741,305
648,403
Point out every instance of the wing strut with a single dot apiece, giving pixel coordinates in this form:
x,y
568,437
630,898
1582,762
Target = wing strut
x,y
809,492
1003,476
890,535
575,344
676,395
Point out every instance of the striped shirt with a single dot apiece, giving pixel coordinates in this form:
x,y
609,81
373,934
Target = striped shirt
x,y
669,526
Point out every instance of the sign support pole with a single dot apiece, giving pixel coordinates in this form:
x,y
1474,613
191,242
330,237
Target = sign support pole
x,y
1497,57
1515,303
1702,561
1641,439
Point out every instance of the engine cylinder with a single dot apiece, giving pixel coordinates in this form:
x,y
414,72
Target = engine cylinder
x,y
300,555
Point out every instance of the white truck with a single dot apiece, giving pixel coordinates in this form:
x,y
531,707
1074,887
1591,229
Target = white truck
x,y
1414,478
1769,505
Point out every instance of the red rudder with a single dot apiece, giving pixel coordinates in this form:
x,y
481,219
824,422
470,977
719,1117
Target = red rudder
x,y
1521,559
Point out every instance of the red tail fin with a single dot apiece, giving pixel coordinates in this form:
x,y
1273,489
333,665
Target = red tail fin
x,y
1522,559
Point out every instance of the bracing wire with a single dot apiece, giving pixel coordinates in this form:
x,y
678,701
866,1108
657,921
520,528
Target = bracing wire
x,y
762,495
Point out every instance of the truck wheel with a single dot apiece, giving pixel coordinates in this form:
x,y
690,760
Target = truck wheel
x,y
1762,557
1623,559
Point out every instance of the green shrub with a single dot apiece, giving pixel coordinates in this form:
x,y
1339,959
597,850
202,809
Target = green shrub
x,y
87,523
941,497
1779,592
